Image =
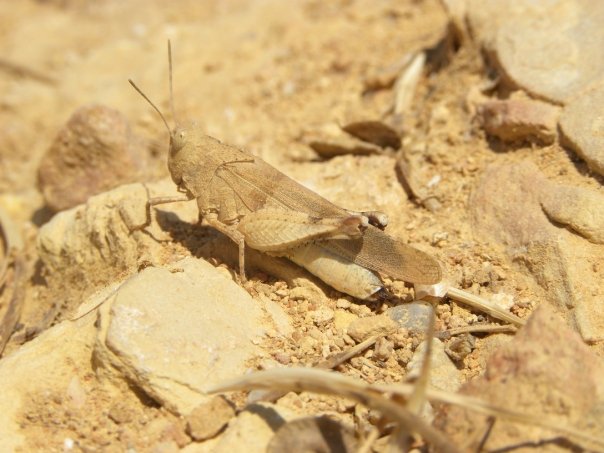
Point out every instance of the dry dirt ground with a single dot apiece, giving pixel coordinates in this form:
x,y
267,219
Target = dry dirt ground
x,y
268,76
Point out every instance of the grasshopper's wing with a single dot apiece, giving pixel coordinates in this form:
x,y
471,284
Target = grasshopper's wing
x,y
258,185
382,253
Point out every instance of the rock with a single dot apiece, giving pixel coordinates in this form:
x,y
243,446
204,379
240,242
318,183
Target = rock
x,y
309,293
322,316
209,446
85,247
488,345
173,332
168,446
581,125
253,428
579,209
457,12
546,371
414,316
94,152
519,120
208,419
342,319
316,434
51,359
506,205
554,66
444,375
506,208
282,321
363,328
91,243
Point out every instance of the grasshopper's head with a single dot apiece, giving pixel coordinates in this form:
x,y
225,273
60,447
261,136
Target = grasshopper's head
x,y
179,137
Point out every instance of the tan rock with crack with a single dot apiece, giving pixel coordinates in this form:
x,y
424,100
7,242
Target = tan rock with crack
x,y
173,332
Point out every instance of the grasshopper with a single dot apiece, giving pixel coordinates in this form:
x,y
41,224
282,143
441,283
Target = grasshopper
x,y
254,204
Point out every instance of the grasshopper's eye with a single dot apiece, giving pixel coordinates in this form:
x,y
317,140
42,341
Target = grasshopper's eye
x,y
178,140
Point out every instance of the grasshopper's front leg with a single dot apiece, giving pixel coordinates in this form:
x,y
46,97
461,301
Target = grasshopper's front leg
x,y
133,222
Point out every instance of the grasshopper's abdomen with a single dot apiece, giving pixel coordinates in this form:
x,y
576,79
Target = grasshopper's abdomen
x,y
342,274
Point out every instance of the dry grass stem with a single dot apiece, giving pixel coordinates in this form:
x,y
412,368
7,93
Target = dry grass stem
x,y
378,396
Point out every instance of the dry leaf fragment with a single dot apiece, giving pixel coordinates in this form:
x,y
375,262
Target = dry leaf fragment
x,y
374,131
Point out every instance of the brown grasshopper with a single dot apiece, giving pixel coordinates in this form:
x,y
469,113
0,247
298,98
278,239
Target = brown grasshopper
x,y
256,205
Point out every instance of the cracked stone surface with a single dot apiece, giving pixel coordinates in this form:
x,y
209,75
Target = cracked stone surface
x,y
176,332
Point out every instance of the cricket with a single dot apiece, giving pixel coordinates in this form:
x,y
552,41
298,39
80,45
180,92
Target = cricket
x,y
257,206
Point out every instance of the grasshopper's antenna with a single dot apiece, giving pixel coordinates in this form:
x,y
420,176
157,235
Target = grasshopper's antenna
x,y
171,89
151,103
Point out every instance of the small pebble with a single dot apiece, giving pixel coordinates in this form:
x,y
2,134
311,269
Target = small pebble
x,y
209,418
363,328
322,316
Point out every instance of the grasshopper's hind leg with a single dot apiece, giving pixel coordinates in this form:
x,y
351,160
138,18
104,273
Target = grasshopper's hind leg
x,y
231,232
277,230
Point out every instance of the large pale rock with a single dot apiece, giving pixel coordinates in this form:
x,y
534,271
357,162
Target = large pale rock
x,y
94,152
85,247
545,371
174,332
582,126
91,244
551,48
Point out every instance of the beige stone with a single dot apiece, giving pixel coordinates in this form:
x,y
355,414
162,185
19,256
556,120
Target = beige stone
x,y
253,428
209,418
363,328
582,123
444,375
174,333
